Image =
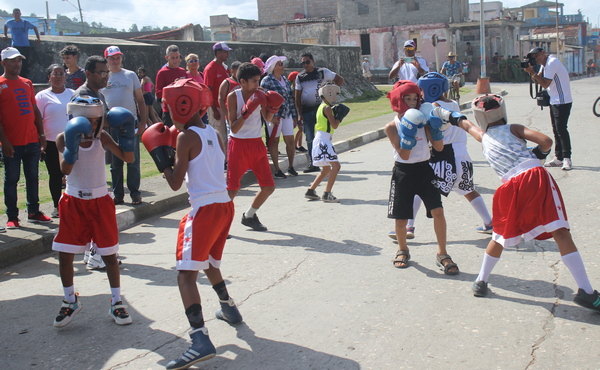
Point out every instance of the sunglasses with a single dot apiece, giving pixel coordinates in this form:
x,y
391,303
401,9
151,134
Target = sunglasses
x,y
193,61
306,62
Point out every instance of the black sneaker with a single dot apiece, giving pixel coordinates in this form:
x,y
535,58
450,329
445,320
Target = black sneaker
x,y
591,301
311,194
301,149
312,168
292,172
280,175
480,288
253,222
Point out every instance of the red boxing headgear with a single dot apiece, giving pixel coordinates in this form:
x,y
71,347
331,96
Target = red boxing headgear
x,y
402,88
292,76
186,97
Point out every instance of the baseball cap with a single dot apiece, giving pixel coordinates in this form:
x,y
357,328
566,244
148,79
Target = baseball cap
x,y
11,53
112,50
409,44
534,51
221,46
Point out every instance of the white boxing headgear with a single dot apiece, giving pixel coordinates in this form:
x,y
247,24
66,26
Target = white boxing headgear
x,y
487,109
330,92
89,107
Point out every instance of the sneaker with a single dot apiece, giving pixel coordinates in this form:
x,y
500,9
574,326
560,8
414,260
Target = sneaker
x,y
54,213
485,229
201,349
2,229
555,162
66,313
301,149
86,256
591,301
567,164
392,235
118,201
13,224
312,168
38,217
480,288
292,172
280,175
311,194
329,198
253,222
95,262
410,232
229,312
118,312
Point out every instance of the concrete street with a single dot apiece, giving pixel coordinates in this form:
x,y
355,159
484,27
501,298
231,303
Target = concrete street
x,y
319,291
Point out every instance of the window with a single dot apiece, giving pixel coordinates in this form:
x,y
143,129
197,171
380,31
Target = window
x,y
411,5
362,8
365,44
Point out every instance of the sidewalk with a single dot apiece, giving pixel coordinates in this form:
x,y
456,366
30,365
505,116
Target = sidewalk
x,y
34,239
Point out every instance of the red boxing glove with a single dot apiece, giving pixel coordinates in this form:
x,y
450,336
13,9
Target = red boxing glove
x,y
174,132
254,101
157,140
274,101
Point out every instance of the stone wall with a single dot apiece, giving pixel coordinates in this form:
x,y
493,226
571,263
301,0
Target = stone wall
x,y
279,11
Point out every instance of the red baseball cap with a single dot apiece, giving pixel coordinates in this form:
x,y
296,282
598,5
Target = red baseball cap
x,y
112,50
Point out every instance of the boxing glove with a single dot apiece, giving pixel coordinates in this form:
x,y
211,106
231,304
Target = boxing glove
x,y
448,116
257,99
123,120
75,129
340,111
274,101
174,133
158,139
408,133
435,124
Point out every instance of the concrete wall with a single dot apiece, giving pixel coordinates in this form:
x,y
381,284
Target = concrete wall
x,y
279,11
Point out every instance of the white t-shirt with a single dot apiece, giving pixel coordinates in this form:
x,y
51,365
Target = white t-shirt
x,y
408,71
309,84
53,108
560,87
120,89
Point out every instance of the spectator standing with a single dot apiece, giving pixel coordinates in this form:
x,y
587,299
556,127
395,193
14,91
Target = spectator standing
x,y
410,67
52,103
22,137
192,63
554,76
148,91
124,90
307,98
214,74
366,69
167,74
19,30
75,75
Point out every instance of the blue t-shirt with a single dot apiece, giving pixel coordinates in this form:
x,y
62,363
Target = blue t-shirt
x,y
19,31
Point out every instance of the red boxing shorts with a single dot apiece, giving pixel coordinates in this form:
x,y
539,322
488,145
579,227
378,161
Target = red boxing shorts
x,y
528,206
87,220
201,237
244,155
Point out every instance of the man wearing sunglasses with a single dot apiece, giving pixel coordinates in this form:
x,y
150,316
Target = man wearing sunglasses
x,y
410,67
307,98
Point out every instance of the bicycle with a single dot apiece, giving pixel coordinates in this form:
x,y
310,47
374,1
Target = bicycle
x,y
454,91
596,107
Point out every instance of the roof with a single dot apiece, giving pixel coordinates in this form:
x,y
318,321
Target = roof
x,y
542,4
165,35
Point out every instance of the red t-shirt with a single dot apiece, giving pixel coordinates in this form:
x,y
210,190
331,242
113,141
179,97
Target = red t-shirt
x,y
214,74
166,76
17,115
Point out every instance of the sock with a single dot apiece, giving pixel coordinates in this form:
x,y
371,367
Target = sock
x,y
250,212
486,267
575,265
479,206
194,315
70,294
416,206
115,295
221,290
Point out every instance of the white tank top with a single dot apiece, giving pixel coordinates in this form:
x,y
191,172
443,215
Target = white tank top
x,y
419,152
205,179
87,179
252,127
507,154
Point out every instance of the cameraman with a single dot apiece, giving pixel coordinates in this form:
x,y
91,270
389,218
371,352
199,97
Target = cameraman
x,y
554,76
410,67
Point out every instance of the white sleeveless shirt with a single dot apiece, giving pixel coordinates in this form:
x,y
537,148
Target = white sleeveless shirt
x,y
204,178
420,152
87,179
251,129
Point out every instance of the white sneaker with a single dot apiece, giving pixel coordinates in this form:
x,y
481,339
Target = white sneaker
x,y
567,164
54,213
86,256
555,162
118,312
95,262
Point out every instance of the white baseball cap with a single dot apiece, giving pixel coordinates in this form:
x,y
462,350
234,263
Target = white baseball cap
x,y
11,53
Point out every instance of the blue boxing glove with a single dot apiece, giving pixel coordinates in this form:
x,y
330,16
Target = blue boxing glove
x,y
123,120
435,127
75,129
409,124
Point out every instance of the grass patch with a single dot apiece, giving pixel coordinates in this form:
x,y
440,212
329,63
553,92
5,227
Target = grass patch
x,y
364,109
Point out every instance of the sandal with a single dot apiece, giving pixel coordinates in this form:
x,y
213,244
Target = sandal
x,y
401,259
136,200
450,268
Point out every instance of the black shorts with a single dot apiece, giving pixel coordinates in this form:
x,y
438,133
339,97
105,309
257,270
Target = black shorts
x,y
148,98
408,180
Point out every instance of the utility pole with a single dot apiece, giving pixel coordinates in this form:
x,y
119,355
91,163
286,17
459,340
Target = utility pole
x,y
557,36
81,17
483,82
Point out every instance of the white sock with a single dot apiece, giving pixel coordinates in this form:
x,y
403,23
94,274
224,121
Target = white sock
x,y
250,212
70,294
575,265
416,206
479,206
486,267
115,295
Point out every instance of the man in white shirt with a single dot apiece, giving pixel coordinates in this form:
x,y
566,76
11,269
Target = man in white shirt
x,y
554,76
409,67
124,90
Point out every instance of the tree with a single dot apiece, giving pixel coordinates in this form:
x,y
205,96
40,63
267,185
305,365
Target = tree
x,y
134,28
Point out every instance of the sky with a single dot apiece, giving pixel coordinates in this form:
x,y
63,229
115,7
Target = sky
x,y
121,14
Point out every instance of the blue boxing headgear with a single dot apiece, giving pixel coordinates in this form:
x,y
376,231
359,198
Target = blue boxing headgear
x,y
433,85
